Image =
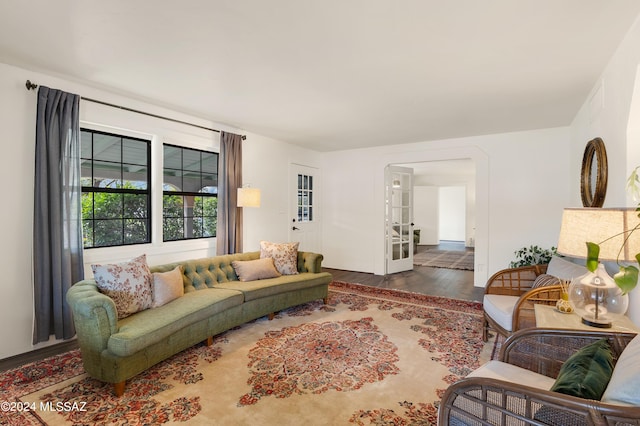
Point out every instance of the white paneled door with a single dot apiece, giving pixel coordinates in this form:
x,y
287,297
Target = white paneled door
x,y
399,218
305,223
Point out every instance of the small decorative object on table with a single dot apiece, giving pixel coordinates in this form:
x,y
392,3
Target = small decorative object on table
x,y
563,305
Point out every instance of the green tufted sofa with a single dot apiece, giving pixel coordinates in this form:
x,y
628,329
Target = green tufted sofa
x,y
215,300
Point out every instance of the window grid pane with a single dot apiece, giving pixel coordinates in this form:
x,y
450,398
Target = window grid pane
x,y
305,198
190,200
115,176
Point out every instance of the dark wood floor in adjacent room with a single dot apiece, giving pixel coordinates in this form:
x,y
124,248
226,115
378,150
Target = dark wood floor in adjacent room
x,y
450,283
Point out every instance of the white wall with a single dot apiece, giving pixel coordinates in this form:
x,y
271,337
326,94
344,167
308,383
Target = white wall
x,y
435,179
612,112
522,184
426,213
453,213
266,165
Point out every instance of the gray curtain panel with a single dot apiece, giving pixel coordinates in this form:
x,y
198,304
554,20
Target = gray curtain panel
x,y
229,233
57,227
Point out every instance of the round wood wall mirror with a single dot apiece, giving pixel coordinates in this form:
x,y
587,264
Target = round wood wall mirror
x,y
593,177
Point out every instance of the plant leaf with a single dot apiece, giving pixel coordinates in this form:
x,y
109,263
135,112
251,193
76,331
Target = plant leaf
x,y
593,251
627,278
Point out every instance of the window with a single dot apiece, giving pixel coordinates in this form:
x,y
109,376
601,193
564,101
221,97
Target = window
x,y
305,198
116,190
190,193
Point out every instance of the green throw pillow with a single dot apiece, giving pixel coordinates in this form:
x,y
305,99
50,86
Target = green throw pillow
x,y
587,372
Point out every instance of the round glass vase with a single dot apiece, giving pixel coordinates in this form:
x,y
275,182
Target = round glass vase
x,y
597,299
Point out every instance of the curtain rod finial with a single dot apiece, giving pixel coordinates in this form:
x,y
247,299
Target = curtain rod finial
x,y
30,86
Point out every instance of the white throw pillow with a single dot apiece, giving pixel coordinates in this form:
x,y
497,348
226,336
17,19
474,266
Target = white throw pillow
x,y
285,256
564,269
259,269
624,386
167,286
127,283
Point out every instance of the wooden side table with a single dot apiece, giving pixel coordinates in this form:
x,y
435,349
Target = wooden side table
x,y
548,317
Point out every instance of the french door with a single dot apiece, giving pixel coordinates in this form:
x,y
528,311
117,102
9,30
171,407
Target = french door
x,y
399,219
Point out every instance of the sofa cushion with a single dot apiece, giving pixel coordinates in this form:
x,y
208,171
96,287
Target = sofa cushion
x,y
624,386
285,256
250,270
586,373
514,374
286,283
127,283
208,272
500,308
167,286
145,328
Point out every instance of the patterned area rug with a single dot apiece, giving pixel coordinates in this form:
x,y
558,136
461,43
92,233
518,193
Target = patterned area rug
x,y
449,259
369,357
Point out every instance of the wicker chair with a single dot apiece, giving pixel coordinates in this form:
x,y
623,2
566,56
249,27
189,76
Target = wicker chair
x,y
518,282
489,401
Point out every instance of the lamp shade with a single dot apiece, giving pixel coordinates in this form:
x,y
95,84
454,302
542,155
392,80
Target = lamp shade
x,y
606,227
248,197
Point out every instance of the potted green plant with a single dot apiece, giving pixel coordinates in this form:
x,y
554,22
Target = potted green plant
x,y
532,255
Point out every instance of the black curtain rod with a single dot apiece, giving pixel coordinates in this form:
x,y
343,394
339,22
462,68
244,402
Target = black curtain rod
x,y
31,86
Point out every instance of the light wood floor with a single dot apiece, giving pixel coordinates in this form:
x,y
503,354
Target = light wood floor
x,y
450,283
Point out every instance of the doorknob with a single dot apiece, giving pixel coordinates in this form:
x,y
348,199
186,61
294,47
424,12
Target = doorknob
x,y
295,228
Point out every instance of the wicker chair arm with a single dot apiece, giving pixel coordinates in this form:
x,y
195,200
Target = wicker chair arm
x,y
483,401
545,350
514,281
524,310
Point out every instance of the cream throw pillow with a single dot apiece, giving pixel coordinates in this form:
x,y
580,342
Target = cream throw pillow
x,y
284,255
259,269
624,386
127,283
167,286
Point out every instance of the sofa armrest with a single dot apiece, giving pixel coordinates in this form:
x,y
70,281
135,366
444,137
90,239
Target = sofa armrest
x,y
514,281
480,400
95,315
545,350
309,262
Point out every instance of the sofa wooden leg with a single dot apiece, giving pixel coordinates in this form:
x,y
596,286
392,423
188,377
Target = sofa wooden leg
x,y
272,315
209,341
118,388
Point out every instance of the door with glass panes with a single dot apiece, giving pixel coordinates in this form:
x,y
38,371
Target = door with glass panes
x,y
399,218
305,211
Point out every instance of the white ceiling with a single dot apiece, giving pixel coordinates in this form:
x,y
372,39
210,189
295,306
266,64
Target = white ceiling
x,y
331,74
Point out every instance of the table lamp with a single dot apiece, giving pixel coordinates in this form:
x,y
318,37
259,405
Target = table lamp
x,y
595,296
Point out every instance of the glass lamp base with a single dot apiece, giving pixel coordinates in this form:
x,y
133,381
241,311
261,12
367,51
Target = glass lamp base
x,y
597,323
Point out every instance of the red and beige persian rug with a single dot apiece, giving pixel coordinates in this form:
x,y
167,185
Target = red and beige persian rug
x,y
369,357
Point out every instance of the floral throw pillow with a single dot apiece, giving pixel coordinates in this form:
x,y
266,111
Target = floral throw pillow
x,y
284,255
129,284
